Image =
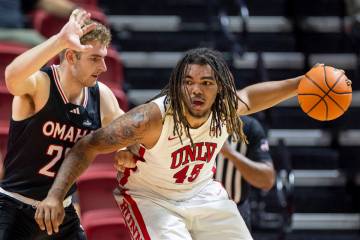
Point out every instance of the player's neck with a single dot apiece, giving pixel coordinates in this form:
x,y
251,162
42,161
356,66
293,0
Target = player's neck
x,y
196,122
72,88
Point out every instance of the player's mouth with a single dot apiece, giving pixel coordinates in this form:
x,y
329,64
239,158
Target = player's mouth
x,y
197,103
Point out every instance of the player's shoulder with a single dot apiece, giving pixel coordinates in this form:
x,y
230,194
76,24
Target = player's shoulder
x,y
109,106
162,102
41,81
103,88
41,75
106,95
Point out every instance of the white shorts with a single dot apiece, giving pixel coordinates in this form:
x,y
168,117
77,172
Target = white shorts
x,y
210,215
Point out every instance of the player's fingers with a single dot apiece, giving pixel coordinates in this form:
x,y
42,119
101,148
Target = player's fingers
x,y
348,82
74,14
117,164
119,157
119,168
54,220
47,220
80,15
61,217
84,15
127,161
131,162
118,160
85,48
319,64
88,28
39,218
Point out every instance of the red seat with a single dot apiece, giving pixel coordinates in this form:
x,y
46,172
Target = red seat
x,y
48,25
121,98
114,76
9,51
3,143
5,108
3,147
95,188
92,3
106,160
105,224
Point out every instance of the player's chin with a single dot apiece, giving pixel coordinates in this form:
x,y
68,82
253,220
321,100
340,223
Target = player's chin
x,y
91,82
199,113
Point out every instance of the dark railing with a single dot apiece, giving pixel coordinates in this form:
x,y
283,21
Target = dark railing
x,y
238,46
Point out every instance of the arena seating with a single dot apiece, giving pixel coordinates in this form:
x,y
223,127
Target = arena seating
x,y
105,224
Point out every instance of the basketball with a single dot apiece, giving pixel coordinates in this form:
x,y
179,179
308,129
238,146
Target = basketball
x,y
324,93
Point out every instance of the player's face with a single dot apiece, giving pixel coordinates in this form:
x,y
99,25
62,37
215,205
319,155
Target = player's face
x,y
199,91
91,64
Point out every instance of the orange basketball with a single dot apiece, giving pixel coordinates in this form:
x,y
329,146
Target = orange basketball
x,y
324,93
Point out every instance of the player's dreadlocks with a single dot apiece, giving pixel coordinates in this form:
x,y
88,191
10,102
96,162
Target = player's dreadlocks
x,y
226,102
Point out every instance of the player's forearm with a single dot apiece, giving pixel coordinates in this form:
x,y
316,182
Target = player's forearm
x,y
124,131
265,95
23,66
259,175
58,8
76,162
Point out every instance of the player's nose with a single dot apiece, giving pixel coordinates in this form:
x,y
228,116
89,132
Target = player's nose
x,y
196,89
103,66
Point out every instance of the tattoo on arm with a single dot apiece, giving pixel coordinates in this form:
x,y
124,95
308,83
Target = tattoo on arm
x,y
126,130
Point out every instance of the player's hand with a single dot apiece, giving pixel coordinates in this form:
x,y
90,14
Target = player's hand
x,y
348,81
74,29
124,159
49,214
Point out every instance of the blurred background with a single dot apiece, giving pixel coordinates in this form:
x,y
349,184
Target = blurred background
x,y
317,190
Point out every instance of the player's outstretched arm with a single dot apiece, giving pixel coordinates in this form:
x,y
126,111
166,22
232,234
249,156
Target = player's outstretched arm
x,y
264,95
20,74
141,125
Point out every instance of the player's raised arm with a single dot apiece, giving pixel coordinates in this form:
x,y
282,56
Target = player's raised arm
x,y
141,125
20,74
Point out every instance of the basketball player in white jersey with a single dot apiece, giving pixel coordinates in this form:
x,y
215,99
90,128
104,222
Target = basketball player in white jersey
x,y
171,194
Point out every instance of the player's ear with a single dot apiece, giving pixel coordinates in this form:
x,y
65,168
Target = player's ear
x,y
71,56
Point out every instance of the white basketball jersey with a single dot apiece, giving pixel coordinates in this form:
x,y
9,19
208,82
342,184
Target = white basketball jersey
x,y
175,170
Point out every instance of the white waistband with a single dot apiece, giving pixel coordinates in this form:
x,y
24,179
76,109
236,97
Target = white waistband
x,y
30,201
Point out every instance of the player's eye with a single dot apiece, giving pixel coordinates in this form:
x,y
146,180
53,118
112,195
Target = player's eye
x,y
188,82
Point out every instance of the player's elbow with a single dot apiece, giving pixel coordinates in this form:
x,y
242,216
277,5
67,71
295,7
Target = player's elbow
x,y
269,180
269,184
243,107
10,75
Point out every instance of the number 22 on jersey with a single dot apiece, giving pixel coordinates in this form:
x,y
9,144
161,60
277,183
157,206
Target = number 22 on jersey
x,y
55,151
